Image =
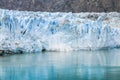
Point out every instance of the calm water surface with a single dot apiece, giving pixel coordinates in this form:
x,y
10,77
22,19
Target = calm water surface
x,y
78,65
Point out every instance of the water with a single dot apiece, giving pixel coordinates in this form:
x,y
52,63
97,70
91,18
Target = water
x,y
77,65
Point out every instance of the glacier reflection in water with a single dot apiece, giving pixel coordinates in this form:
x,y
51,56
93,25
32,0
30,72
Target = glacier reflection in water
x,y
80,65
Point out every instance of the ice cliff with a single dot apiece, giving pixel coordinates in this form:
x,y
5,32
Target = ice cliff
x,y
39,31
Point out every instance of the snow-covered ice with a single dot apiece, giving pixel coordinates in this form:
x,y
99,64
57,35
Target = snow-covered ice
x,y
36,31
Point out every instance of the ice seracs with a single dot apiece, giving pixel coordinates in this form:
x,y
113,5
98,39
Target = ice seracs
x,y
38,31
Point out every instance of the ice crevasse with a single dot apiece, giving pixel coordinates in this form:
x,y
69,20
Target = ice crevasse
x,y
37,31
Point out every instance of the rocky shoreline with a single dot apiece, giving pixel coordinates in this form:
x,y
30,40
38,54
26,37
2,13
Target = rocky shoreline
x,y
9,52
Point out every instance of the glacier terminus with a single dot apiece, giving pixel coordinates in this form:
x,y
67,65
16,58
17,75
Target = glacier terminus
x,y
58,31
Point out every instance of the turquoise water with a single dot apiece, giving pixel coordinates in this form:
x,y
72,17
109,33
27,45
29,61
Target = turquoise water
x,y
76,65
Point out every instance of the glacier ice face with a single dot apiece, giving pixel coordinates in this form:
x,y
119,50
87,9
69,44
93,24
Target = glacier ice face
x,y
37,31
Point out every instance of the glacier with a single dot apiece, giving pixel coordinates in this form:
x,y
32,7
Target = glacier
x,y
59,31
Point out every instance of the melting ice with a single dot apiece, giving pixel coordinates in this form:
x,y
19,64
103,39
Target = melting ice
x,y
36,31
